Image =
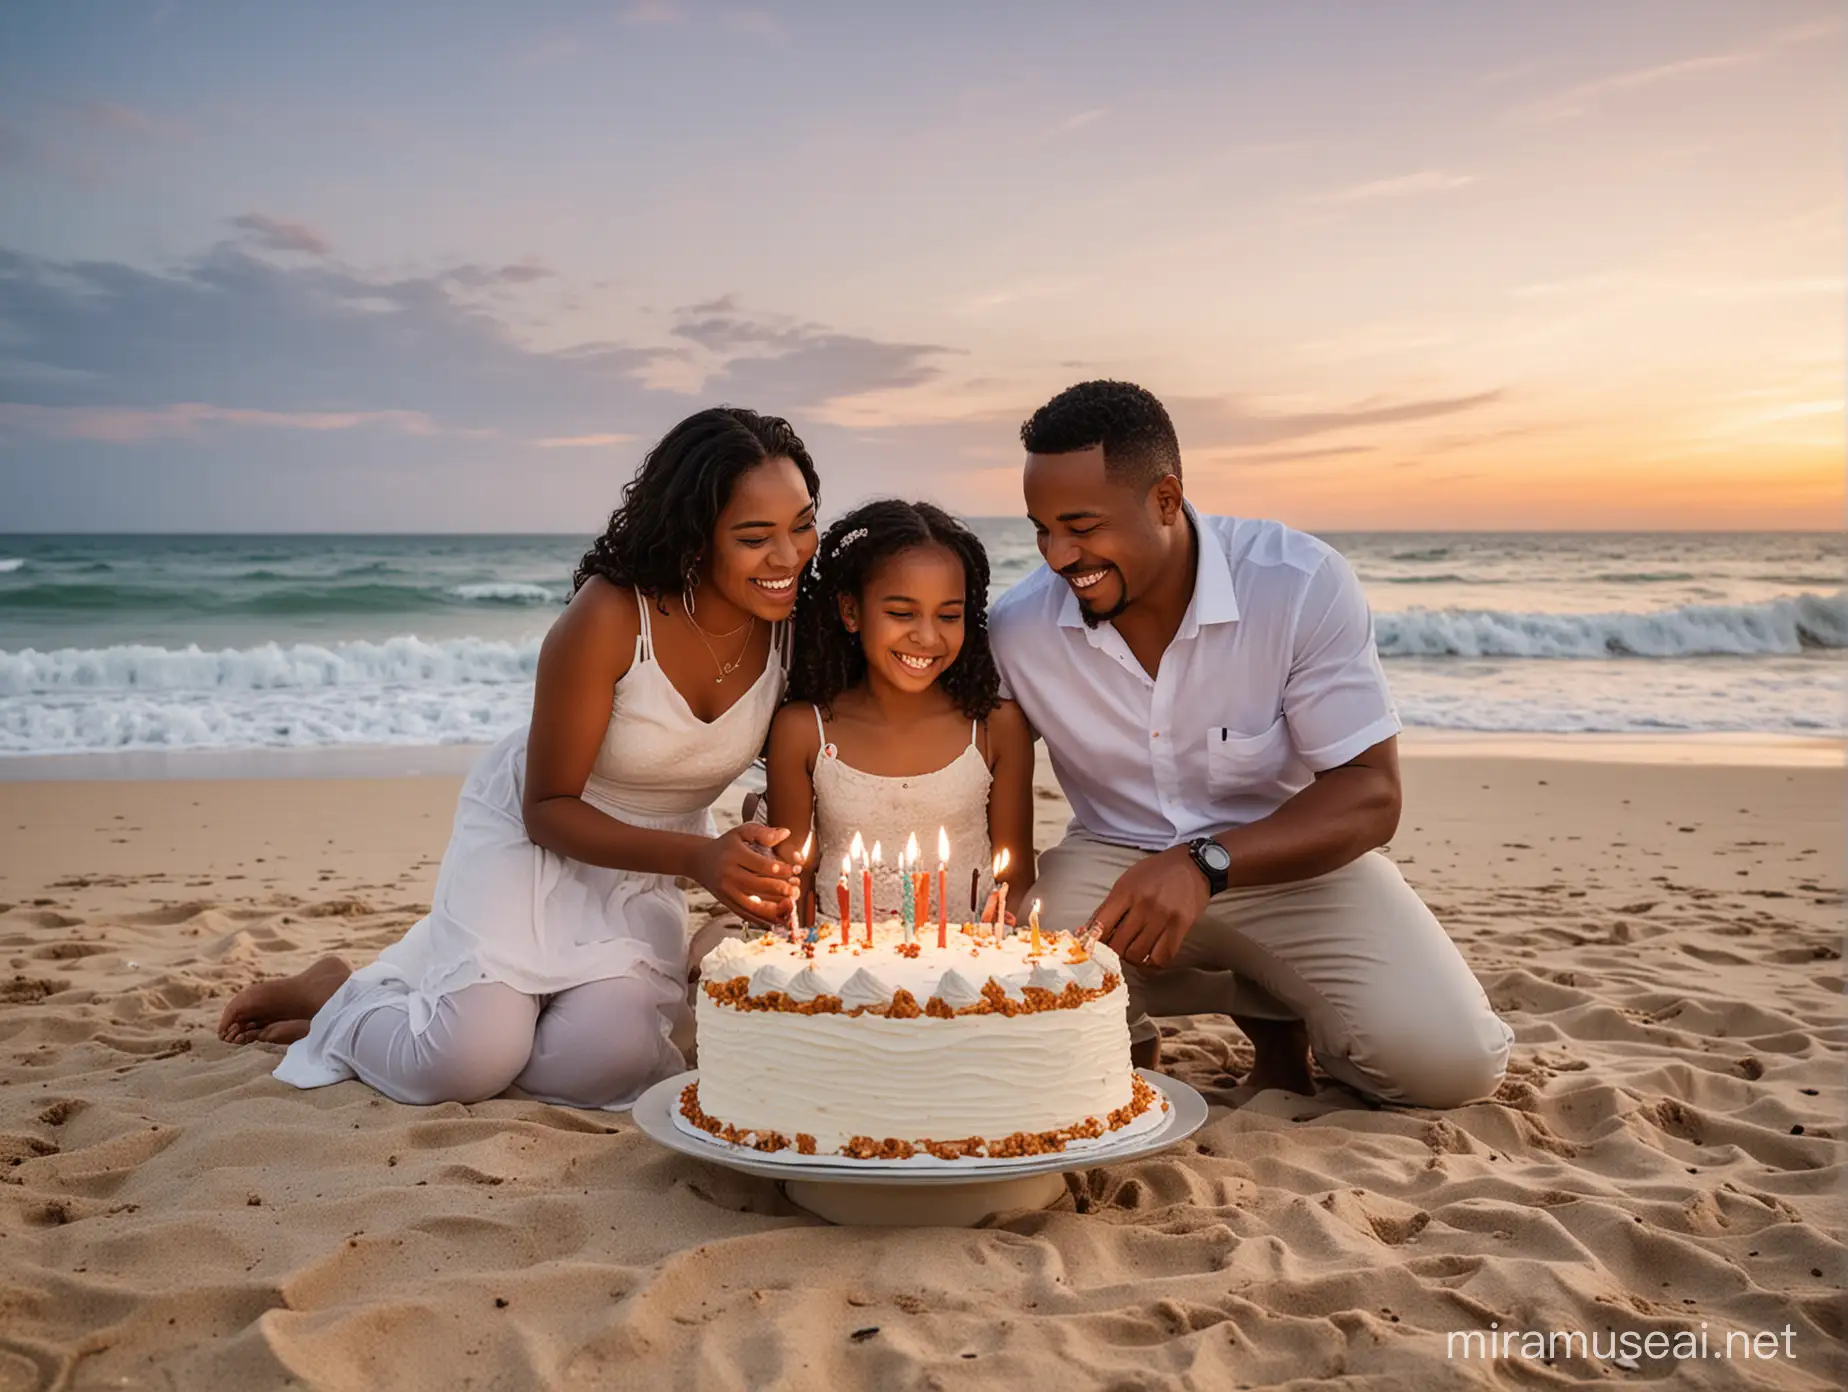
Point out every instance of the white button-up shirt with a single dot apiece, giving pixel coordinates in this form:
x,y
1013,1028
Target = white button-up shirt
x,y
1271,678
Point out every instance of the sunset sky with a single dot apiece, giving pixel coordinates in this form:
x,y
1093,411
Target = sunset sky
x,y
422,267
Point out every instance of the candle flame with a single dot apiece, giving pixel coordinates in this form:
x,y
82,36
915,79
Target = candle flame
x,y
1001,861
943,847
876,859
846,866
858,849
911,849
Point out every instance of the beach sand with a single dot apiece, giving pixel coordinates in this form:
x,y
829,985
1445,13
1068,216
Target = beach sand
x,y
1666,1154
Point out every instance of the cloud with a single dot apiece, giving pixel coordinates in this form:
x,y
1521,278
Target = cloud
x,y
583,441
1217,424
780,360
124,425
274,234
1584,97
649,14
757,23
121,119
1297,456
1399,186
248,334
104,351
1083,119
483,277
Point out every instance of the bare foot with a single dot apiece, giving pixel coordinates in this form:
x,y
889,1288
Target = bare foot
x,y
1282,1048
278,1012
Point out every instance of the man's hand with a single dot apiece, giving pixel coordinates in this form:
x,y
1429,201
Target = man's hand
x,y
1152,907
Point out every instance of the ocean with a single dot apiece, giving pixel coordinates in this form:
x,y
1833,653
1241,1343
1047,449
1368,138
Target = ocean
x,y
251,642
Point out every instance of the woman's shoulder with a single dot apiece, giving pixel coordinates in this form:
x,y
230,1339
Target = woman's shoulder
x,y
602,618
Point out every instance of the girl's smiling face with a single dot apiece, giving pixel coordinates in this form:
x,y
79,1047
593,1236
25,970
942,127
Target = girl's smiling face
x,y
909,617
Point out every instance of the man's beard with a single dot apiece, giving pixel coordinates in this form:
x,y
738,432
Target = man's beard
x,y
1096,618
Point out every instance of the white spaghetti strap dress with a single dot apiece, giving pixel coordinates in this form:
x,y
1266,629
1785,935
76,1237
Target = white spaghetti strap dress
x,y
511,912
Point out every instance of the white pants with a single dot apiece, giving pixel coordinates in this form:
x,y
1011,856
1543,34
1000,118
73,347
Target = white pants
x,y
595,1045
1391,1008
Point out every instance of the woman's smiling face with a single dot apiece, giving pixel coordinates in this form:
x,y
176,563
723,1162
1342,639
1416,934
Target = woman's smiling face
x,y
910,616
764,536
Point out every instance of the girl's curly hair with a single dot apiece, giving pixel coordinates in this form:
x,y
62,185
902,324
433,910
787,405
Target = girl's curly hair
x,y
665,521
829,660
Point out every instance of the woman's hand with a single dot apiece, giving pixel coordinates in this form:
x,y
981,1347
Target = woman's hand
x,y
742,874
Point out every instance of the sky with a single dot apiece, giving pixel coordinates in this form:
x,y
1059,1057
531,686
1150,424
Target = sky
x,y
452,267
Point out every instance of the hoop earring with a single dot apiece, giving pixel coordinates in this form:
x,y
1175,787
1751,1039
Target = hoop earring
x,y
689,584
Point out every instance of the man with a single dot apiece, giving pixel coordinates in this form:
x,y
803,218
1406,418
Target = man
x,y
1215,710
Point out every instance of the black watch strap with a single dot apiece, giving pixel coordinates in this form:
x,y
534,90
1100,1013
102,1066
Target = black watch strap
x,y
1216,874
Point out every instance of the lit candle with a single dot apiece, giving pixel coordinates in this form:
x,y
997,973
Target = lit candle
x,y
845,895
1033,923
1001,894
943,888
869,893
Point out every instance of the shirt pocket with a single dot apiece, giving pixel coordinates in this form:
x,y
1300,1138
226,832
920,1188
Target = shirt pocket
x,y
1237,763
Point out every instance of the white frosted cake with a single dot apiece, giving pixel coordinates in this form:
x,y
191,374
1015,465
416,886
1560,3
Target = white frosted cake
x,y
888,1049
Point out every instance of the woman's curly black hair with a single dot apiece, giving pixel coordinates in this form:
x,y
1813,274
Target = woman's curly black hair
x,y
829,660
665,521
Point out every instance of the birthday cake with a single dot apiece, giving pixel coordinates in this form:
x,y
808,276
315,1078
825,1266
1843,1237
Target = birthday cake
x,y
882,1044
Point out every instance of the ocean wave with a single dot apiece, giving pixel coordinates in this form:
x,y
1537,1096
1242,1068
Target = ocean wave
x,y
1446,579
505,592
9,564
87,724
1779,626
50,598
395,662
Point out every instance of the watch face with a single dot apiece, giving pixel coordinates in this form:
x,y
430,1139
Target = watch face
x,y
1216,856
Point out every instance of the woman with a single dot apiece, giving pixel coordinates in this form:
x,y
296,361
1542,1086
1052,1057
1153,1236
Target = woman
x,y
554,956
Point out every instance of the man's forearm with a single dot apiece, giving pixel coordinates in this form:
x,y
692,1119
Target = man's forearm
x,y
1331,823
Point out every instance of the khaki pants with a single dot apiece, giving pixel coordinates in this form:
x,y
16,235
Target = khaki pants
x,y
1391,1008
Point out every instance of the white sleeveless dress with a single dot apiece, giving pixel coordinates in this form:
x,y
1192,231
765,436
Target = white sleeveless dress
x,y
888,809
509,911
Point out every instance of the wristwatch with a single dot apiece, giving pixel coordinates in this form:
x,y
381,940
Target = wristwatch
x,y
1214,861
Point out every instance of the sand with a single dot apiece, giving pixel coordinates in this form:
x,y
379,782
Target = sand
x,y
1667,1151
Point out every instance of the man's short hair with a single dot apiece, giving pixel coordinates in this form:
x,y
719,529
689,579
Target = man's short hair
x,y
1138,439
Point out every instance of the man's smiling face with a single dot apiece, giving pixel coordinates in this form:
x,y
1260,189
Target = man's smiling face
x,y
1108,538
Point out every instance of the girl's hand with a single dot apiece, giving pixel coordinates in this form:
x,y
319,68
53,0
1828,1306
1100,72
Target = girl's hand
x,y
742,874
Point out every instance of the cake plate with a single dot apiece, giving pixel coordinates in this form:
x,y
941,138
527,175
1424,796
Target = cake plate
x,y
950,1194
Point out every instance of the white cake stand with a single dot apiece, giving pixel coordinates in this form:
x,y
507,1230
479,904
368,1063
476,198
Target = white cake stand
x,y
951,1195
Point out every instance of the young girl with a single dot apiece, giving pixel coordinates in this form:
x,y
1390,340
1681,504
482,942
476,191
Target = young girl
x,y
895,727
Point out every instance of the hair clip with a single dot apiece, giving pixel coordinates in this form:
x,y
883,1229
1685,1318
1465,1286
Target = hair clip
x,y
848,540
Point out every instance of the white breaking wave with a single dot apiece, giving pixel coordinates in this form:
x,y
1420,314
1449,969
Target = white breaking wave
x,y
505,592
404,661
1776,627
405,691
9,564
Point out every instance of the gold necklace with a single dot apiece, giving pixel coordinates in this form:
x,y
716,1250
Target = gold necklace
x,y
727,668
727,633
686,607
